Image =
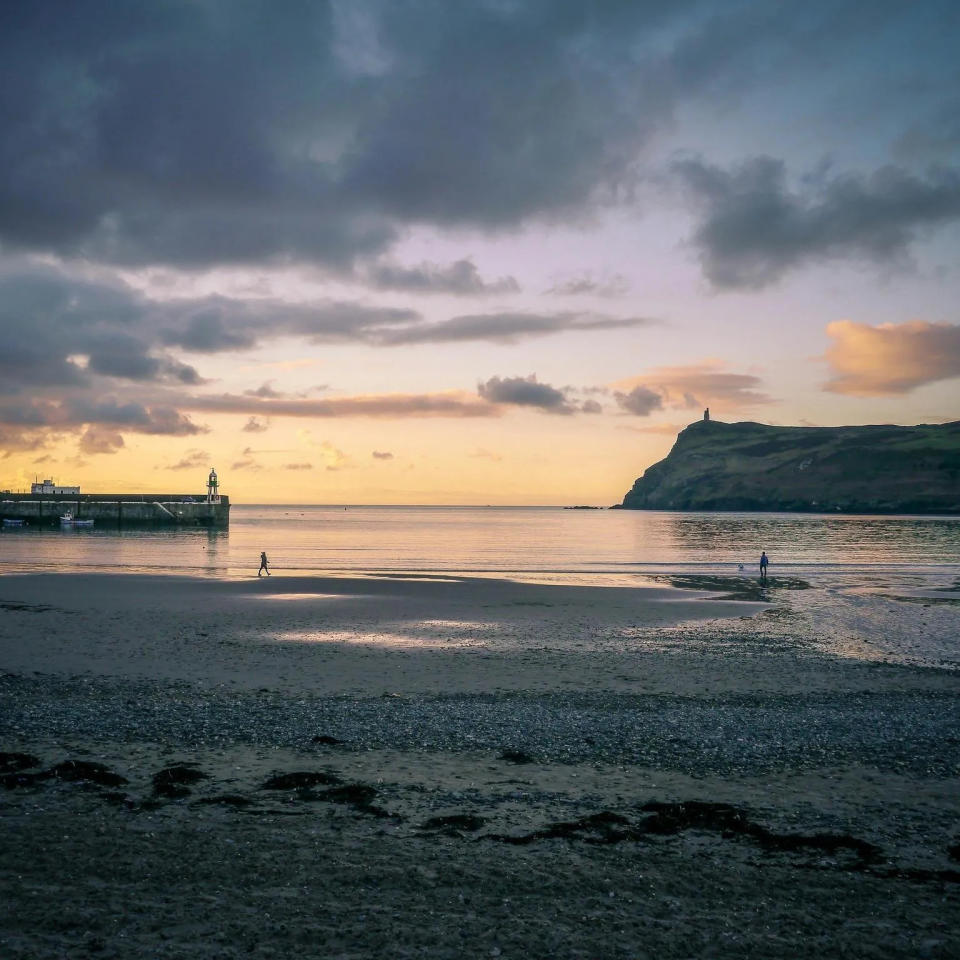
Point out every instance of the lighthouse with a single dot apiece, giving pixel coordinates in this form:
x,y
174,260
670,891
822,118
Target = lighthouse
x,y
213,487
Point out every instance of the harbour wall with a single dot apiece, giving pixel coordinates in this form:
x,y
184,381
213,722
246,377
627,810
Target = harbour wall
x,y
161,509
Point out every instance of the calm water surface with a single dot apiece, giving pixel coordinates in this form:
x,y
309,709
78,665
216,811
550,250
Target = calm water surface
x,y
604,544
880,587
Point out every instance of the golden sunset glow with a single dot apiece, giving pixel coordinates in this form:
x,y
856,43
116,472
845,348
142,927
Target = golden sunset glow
x,y
353,270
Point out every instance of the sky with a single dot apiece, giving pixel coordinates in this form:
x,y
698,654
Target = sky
x,y
465,253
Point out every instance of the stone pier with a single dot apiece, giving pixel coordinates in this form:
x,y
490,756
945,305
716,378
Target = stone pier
x,y
162,509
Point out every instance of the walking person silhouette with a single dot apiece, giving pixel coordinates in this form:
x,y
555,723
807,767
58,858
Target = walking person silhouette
x,y
263,564
763,565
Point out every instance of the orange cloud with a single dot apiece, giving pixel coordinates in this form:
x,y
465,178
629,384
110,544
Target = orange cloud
x,y
450,404
700,385
890,358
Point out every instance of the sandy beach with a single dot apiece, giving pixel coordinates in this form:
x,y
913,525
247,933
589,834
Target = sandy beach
x,y
462,767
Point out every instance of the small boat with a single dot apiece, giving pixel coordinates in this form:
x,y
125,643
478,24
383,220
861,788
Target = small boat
x,y
13,523
69,520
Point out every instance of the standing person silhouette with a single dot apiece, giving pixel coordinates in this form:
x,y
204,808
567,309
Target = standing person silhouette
x,y
763,565
263,564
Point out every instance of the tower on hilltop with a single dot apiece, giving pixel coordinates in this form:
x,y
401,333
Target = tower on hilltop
x,y
706,415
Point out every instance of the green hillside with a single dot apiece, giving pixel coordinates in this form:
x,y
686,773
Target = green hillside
x,y
750,466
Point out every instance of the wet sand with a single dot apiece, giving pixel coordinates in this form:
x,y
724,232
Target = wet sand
x,y
487,769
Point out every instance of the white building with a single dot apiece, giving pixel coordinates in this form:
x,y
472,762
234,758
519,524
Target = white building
x,y
48,486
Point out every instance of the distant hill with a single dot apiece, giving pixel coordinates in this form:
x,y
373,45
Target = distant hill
x,y
750,466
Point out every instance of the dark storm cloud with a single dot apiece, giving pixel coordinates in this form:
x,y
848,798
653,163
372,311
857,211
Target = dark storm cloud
x,y
182,372
640,401
70,344
246,131
206,330
59,330
132,415
214,324
755,227
461,278
126,357
73,412
241,131
525,392
503,327
63,331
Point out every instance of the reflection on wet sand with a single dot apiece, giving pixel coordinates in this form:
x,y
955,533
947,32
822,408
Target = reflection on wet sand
x,y
733,588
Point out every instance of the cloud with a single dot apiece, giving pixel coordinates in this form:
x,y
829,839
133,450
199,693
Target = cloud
x,y
461,278
265,391
587,285
504,327
71,413
382,455
891,358
254,425
66,331
591,406
754,227
695,386
157,420
298,466
181,135
100,440
192,460
525,392
207,328
125,357
640,401
19,441
83,352
216,324
394,405
182,372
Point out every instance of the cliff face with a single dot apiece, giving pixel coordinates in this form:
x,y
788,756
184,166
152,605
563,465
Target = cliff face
x,y
749,466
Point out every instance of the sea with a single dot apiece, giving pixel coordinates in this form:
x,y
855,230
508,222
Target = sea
x,y
896,577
